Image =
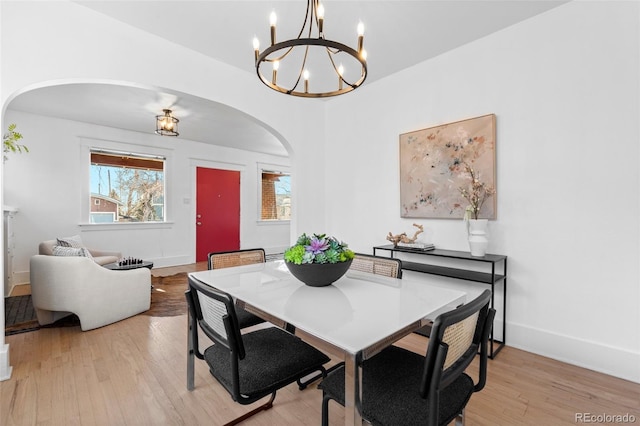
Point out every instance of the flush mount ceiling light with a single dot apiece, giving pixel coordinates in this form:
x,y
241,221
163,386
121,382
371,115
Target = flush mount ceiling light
x,y
300,65
166,125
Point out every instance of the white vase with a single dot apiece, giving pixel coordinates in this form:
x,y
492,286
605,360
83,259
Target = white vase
x,y
478,242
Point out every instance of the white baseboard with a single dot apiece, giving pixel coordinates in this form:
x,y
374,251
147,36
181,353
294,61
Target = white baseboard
x,y
614,361
20,277
5,368
171,261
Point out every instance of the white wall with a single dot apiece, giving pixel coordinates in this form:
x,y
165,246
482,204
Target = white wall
x,y
564,88
47,43
44,43
50,187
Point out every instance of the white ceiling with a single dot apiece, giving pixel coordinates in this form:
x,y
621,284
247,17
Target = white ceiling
x,y
398,34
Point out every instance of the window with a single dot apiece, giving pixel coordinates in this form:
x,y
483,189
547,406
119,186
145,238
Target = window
x,y
126,187
276,195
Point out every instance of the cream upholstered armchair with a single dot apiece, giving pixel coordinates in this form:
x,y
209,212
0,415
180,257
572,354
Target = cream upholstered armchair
x,y
65,285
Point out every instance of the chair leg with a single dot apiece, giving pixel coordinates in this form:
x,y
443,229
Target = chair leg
x,y
190,354
325,409
460,418
245,416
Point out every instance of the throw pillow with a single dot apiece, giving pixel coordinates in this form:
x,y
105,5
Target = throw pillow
x,y
73,241
72,251
67,251
87,253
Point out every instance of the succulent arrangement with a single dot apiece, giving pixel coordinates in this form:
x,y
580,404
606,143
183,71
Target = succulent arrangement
x,y
318,248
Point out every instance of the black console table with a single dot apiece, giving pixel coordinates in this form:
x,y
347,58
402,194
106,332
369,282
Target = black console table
x,y
490,278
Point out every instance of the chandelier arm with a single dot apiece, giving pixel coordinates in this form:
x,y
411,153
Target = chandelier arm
x,y
314,17
304,24
304,62
284,55
333,64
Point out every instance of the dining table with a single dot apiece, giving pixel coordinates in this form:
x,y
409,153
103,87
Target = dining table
x,y
357,316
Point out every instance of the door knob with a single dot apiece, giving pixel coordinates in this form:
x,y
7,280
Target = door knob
x,y
199,216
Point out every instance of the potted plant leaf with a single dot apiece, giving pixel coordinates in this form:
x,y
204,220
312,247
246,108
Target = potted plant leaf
x,y
10,141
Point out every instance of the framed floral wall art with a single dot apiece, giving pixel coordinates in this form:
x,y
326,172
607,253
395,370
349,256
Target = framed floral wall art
x,y
433,168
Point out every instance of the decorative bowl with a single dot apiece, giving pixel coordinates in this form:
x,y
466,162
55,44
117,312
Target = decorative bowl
x,y
319,274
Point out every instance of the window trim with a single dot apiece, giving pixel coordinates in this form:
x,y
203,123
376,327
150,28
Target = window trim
x,y
87,145
269,168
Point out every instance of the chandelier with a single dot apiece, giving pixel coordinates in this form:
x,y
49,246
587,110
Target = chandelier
x,y
166,125
301,66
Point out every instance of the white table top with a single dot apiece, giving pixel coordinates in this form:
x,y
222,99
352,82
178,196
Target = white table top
x,y
354,313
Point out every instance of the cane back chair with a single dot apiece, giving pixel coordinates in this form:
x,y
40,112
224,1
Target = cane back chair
x,y
400,387
228,259
377,265
251,365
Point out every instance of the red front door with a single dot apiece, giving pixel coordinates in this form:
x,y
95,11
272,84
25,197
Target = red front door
x,y
217,211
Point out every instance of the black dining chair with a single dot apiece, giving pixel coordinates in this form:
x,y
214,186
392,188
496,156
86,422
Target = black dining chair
x,y
249,366
400,387
228,259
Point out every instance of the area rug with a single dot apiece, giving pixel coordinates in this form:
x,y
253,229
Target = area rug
x,y
167,300
19,315
167,296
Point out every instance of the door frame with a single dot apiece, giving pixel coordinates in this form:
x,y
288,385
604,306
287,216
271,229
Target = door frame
x,y
194,163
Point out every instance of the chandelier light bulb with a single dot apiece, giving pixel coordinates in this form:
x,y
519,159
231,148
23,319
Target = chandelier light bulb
x,y
272,20
274,75
320,13
256,47
360,36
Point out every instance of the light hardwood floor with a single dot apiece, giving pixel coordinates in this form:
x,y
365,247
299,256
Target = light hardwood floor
x,y
134,373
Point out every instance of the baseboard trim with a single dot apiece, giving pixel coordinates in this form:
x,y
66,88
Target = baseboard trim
x,y
614,361
20,277
5,368
164,262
